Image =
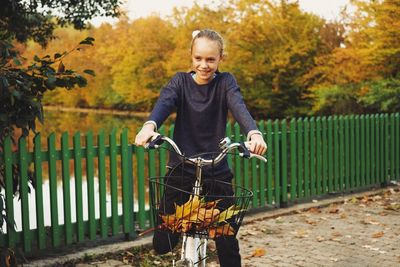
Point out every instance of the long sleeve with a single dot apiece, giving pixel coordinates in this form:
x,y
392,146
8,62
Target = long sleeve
x,y
237,106
166,103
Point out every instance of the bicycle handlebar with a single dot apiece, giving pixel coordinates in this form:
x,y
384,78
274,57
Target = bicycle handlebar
x,y
242,147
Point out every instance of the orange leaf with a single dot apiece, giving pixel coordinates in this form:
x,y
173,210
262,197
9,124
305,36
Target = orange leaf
x,y
378,234
258,252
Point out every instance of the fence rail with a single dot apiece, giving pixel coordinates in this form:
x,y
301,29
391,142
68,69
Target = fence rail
x,y
103,182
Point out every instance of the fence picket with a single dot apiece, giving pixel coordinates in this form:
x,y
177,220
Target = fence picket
x,y
368,165
90,185
271,150
78,186
277,178
55,228
300,170
306,158
126,184
102,184
312,157
293,162
330,154
114,182
66,188
336,173
262,180
326,154
37,151
362,151
23,172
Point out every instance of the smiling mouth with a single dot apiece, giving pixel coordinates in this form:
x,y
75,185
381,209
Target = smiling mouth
x,y
203,72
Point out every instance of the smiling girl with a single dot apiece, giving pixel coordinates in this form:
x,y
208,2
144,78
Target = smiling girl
x,y
202,99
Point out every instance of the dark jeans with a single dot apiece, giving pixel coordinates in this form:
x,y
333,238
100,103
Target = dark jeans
x,y
164,241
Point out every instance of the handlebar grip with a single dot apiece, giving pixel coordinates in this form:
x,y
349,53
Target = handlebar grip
x,y
155,142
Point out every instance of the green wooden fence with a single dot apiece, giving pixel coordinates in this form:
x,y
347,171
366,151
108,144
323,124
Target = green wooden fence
x,y
307,157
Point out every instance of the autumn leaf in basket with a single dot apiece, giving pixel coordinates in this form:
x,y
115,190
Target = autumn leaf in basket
x,y
202,216
185,210
222,230
228,213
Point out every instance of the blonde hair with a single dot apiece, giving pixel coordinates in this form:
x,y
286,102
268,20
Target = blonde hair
x,y
210,35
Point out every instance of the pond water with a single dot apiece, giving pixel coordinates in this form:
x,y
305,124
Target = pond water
x,y
58,122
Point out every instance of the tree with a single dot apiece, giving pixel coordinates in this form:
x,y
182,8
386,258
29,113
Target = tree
x,y
273,46
22,88
368,58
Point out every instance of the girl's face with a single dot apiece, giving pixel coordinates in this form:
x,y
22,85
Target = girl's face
x,y
206,55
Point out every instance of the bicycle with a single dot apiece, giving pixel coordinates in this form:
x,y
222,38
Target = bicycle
x,y
200,215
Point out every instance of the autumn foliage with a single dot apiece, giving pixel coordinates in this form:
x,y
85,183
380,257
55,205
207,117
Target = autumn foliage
x,y
197,215
288,62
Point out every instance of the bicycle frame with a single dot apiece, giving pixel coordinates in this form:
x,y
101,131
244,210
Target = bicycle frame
x,y
194,249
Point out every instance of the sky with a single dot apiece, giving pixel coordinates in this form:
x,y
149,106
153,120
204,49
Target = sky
x,y
329,9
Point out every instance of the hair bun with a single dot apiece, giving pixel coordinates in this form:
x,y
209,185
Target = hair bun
x,y
195,33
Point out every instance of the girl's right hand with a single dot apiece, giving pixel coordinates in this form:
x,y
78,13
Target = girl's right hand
x,y
145,135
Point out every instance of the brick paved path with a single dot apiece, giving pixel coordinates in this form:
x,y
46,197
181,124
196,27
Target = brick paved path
x,y
359,232
354,231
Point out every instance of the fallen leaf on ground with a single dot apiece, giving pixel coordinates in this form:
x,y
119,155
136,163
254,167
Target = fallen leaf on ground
x,y
393,206
354,200
378,234
311,222
336,234
314,210
258,252
334,210
370,221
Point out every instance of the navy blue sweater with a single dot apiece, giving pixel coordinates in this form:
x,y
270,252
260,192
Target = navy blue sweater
x,y
201,113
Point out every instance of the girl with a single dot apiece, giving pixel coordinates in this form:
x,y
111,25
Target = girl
x,y
202,99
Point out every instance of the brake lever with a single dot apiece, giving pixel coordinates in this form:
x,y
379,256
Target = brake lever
x,y
244,150
247,154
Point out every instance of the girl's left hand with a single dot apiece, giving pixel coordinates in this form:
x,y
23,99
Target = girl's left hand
x,y
257,144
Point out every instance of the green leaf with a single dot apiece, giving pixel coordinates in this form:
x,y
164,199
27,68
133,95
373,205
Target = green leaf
x,y
36,58
57,55
88,41
17,94
16,61
51,82
90,72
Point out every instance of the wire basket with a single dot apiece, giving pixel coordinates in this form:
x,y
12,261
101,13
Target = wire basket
x,y
215,212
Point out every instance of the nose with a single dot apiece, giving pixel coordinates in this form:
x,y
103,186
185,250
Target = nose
x,y
203,64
